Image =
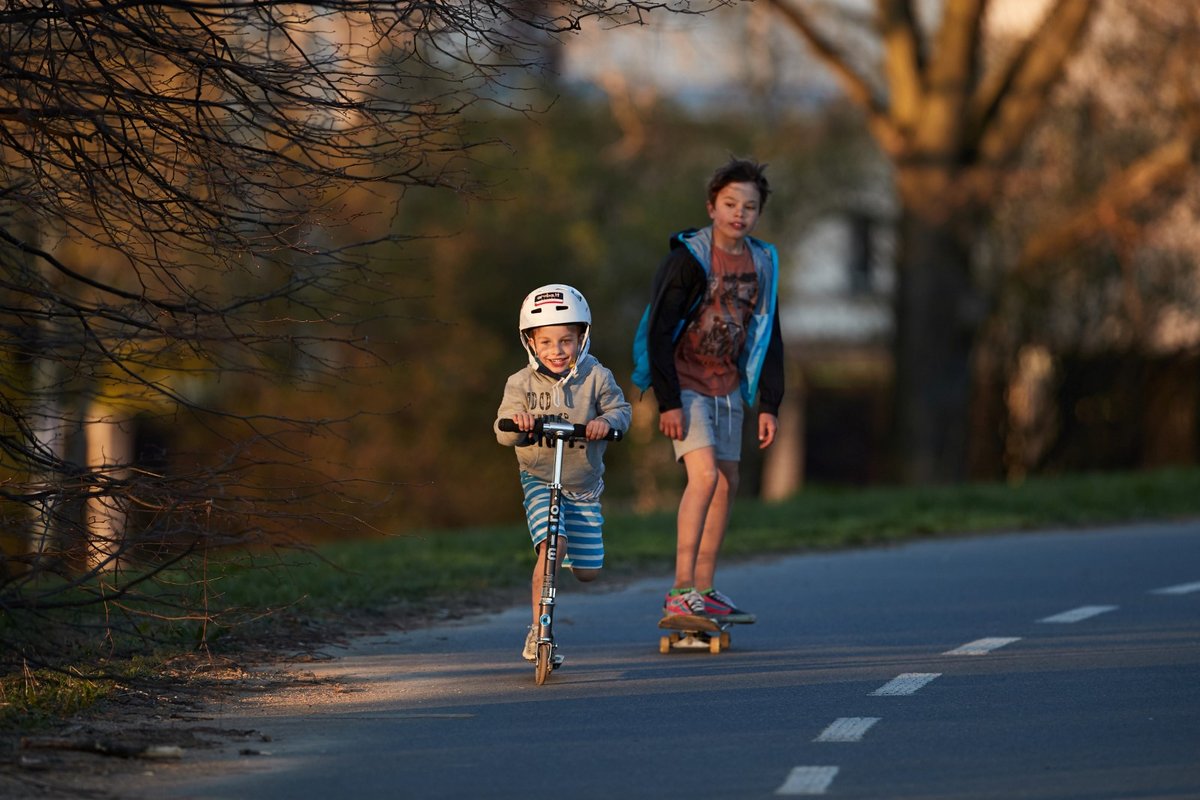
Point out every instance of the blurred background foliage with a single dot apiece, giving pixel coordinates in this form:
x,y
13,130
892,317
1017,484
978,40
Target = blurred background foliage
x,y
309,338
1089,358
558,196
559,204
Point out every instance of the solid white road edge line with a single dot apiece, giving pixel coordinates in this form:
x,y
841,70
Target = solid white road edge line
x,y
847,729
907,683
981,647
1079,614
808,780
1183,588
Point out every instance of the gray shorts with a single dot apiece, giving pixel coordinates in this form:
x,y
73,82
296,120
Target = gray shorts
x,y
711,422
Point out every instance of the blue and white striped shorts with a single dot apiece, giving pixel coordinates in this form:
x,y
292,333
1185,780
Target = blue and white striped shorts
x,y
582,524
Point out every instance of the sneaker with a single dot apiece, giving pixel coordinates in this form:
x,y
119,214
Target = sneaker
x,y
720,607
530,651
689,603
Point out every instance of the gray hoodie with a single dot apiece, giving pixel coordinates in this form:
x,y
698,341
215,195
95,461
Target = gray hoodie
x,y
593,392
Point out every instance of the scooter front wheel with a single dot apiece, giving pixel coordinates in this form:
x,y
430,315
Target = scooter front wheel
x,y
545,652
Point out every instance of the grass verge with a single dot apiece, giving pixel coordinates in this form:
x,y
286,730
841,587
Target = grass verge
x,y
287,596
424,569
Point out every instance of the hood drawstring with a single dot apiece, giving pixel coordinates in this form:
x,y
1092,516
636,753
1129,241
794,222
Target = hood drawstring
x,y
558,396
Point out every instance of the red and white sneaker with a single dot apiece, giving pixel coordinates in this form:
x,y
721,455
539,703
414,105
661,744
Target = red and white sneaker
x,y
720,607
685,604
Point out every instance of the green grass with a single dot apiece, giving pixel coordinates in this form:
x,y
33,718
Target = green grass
x,y
31,697
441,568
416,573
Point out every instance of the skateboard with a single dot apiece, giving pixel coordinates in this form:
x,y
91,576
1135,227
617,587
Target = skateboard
x,y
693,633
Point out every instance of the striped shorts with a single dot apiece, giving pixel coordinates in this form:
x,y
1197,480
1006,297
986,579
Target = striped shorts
x,y
581,523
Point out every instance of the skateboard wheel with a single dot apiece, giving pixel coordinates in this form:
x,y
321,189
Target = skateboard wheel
x,y
714,645
664,644
724,640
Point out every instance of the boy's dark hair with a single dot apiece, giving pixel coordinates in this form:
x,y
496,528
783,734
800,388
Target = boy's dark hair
x,y
740,170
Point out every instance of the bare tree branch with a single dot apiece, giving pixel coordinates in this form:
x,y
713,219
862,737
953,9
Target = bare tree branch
x,y
857,88
1004,109
904,61
1122,196
952,73
193,195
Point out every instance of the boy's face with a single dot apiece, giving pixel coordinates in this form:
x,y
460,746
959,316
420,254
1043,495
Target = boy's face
x,y
556,346
734,213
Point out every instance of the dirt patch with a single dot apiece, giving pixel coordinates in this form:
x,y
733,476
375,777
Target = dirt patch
x,y
136,730
168,721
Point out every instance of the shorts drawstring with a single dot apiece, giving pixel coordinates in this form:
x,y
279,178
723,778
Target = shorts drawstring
x,y
728,413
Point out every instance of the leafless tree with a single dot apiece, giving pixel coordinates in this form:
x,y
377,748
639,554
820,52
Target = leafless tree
x,y
189,196
953,109
1106,269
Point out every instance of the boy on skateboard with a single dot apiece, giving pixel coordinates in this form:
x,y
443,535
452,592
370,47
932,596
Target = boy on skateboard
x,y
562,382
708,342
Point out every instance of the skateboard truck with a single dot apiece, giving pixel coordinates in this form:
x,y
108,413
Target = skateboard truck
x,y
693,633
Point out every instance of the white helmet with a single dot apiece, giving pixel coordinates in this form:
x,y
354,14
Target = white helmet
x,y
555,304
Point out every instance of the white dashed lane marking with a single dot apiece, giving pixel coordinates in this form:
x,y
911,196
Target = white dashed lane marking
x,y
908,683
1183,588
981,647
847,729
808,780
817,780
1079,614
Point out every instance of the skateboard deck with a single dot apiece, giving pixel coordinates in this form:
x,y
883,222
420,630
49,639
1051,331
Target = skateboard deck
x,y
693,633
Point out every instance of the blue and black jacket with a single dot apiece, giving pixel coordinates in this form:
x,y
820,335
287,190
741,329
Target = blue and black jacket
x,y
676,294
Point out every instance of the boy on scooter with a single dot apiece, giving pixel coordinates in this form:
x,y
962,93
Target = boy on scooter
x,y
562,382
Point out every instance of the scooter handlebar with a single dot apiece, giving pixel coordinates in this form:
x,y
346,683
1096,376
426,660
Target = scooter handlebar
x,y
566,430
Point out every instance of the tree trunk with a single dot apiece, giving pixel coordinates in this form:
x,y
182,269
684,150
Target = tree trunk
x,y
51,444
783,462
49,438
937,318
109,457
989,428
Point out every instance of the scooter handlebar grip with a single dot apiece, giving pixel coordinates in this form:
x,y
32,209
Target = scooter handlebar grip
x,y
614,435
510,426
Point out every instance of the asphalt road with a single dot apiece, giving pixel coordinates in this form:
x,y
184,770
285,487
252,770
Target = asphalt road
x,y
1048,665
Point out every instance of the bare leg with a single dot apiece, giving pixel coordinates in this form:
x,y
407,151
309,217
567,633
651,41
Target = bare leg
x,y
702,479
581,574
539,571
716,522
585,575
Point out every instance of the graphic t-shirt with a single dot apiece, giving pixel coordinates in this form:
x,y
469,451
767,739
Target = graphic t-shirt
x,y
707,353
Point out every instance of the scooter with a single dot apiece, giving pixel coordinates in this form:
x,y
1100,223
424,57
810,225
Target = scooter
x,y
562,433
